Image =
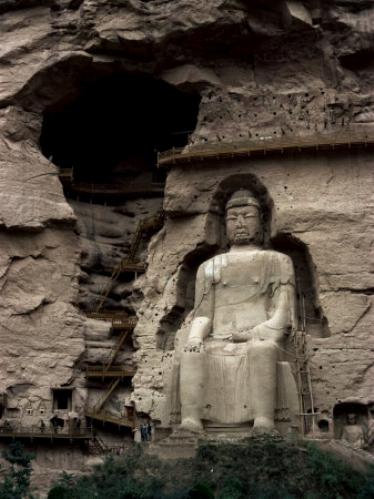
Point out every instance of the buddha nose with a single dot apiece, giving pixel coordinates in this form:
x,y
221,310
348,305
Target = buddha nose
x,y
240,221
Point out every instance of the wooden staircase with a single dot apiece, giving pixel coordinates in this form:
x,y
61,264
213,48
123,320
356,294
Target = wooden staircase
x,y
130,264
122,323
308,413
97,446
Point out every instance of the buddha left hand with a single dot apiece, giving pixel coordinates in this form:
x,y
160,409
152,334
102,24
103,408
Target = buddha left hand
x,y
262,332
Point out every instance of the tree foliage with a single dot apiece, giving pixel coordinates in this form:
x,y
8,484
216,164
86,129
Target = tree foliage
x,y
16,481
261,468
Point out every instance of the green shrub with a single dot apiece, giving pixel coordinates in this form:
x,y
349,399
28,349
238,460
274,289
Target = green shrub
x,y
260,468
16,482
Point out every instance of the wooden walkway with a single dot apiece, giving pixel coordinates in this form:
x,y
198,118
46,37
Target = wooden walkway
x,y
66,176
113,372
32,433
119,321
262,147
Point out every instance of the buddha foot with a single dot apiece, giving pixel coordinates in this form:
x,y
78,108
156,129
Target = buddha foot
x,y
264,430
191,424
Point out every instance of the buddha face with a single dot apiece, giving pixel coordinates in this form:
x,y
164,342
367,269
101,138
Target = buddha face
x,y
243,225
351,419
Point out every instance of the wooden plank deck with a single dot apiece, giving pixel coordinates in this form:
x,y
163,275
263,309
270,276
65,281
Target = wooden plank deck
x,y
263,147
118,321
133,267
113,372
31,433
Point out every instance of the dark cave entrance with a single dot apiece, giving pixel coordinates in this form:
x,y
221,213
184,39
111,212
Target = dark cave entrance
x,y
104,138
106,134
112,130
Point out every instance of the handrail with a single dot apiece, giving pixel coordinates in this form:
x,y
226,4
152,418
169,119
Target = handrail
x,y
65,172
19,431
113,371
118,320
129,266
101,188
261,146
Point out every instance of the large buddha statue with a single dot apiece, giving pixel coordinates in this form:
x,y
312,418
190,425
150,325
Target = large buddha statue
x,y
231,367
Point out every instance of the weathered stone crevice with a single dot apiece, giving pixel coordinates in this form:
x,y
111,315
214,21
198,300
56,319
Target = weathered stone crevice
x,y
359,291
310,312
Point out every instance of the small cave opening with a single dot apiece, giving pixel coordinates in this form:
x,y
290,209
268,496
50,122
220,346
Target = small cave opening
x,y
358,61
62,399
310,314
324,425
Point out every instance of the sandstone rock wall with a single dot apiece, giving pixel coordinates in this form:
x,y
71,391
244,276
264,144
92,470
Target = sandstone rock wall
x,y
323,200
278,69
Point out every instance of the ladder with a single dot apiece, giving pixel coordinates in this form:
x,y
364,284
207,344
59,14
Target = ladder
x,y
107,394
304,379
151,223
116,272
116,348
98,446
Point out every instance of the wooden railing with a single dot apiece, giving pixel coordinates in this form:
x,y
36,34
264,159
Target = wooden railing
x,y
263,146
102,371
16,430
136,267
118,321
66,176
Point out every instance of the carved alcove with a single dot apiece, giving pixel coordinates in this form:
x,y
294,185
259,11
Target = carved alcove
x,y
186,276
343,409
309,313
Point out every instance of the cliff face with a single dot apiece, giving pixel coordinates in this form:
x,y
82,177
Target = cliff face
x,y
282,70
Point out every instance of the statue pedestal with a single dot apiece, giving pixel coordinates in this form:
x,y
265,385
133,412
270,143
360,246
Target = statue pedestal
x,y
181,444
226,432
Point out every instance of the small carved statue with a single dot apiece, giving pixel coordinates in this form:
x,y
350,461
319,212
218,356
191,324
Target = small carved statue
x,y
353,433
244,307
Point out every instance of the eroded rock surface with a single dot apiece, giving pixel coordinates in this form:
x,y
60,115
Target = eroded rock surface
x,y
282,69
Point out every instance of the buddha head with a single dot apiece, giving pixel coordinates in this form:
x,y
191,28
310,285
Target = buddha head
x,y
351,419
243,219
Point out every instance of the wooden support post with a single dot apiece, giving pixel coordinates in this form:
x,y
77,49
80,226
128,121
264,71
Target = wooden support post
x,y
117,349
111,389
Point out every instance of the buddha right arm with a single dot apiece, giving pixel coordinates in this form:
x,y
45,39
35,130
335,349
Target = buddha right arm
x,y
203,312
200,329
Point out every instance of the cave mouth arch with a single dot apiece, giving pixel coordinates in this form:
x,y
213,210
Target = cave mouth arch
x,y
114,125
